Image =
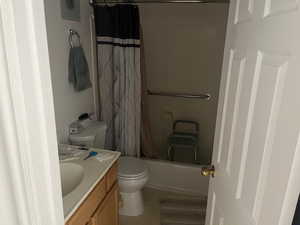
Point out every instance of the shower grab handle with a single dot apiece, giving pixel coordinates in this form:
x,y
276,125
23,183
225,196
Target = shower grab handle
x,y
205,96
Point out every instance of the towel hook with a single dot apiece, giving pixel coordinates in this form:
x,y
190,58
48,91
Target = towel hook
x,y
71,34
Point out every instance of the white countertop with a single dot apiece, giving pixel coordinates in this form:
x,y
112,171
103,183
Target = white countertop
x,y
94,171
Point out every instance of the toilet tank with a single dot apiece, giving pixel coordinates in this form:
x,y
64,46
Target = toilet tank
x,y
93,135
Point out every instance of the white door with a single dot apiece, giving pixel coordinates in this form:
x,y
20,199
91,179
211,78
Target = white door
x,y
30,190
256,149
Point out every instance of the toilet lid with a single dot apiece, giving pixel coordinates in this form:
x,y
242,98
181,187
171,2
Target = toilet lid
x,y
89,133
131,167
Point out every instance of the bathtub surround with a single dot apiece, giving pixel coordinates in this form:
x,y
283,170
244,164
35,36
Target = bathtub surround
x,y
68,104
148,148
118,46
183,52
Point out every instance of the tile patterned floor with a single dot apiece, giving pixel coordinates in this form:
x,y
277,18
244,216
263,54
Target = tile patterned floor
x,y
151,215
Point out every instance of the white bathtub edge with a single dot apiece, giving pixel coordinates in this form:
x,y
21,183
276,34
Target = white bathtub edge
x,y
176,177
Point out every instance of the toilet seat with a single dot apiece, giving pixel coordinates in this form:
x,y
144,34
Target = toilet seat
x,y
132,176
131,168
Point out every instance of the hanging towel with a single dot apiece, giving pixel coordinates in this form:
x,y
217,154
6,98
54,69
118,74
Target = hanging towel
x,y
78,69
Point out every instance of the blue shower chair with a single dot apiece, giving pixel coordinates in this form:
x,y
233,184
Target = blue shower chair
x,y
188,140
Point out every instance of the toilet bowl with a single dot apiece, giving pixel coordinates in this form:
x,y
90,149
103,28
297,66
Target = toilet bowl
x,y
132,173
132,176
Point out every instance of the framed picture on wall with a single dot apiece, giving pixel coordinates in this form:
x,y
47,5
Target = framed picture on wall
x,y
70,10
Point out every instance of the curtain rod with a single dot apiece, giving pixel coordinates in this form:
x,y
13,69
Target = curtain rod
x,y
157,1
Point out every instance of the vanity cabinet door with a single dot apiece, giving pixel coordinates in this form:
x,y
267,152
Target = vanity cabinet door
x,y
83,214
108,211
91,222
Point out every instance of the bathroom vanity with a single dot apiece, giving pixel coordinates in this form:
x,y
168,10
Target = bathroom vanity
x,y
95,199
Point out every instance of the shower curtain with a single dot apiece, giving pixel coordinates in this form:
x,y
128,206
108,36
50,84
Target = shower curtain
x,y
121,79
118,48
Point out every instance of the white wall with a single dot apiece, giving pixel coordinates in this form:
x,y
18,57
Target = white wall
x,y
68,103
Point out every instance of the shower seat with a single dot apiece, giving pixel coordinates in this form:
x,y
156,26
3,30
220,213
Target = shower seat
x,y
188,140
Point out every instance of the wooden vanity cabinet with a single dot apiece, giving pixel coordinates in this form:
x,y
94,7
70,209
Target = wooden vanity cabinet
x,y
101,207
107,213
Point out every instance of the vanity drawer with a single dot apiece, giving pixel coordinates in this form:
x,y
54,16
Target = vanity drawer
x,y
111,176
88,207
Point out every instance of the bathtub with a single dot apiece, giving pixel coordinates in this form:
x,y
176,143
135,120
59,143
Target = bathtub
x,y
176,177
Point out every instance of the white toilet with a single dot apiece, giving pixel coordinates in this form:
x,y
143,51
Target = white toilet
x,y
132,173
93,134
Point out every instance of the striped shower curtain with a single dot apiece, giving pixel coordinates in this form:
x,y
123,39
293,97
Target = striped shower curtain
x,y
119,75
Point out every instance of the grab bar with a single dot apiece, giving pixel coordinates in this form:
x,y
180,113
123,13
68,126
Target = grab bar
x,y
178,95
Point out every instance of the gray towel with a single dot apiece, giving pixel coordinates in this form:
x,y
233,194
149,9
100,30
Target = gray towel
x,y
78,69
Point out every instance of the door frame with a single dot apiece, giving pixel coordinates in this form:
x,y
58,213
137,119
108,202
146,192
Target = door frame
x,y
29,164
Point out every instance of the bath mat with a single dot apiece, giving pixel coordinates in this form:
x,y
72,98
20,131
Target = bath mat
x,y
183,211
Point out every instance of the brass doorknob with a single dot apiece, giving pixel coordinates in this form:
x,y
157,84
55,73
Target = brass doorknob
x,y
208,171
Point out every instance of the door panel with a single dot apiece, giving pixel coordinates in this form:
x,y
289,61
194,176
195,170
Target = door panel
x,y
258,116
268,99
273,7
233,90
243,11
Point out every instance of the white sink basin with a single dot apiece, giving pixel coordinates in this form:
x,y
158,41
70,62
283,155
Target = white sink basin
x,y
71,176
